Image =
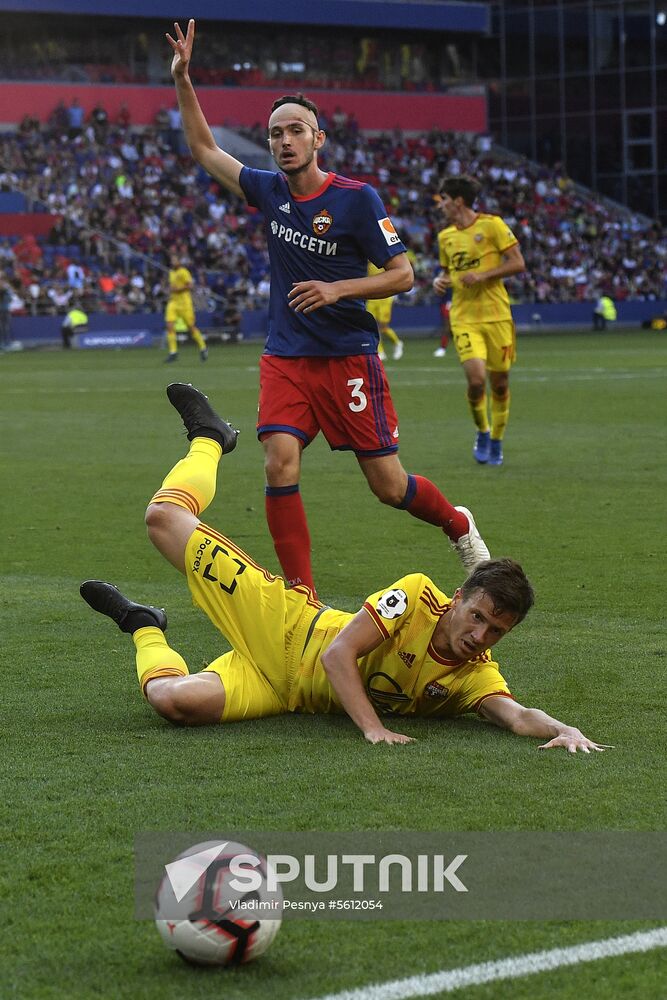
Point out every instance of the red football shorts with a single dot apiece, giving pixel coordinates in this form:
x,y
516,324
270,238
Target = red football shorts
x,y
348,399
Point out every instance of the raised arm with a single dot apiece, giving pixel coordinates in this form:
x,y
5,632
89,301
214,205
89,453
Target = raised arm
x,y
215,161
339,660
509,714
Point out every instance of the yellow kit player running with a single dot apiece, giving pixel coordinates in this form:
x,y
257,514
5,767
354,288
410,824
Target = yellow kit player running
x,y
410,650
180,310
476,252
380,310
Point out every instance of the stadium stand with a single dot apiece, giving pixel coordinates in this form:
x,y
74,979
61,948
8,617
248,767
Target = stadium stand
x,y
105,200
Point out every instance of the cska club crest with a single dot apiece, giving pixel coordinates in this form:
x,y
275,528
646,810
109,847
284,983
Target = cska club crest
x,y
322,222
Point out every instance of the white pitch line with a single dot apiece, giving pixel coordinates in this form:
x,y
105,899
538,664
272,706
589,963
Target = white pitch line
x,y
654,372
404,380
556,376
450,980
548,380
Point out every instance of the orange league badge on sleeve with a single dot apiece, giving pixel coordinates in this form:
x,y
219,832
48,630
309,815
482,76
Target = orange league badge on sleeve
x,y
388,231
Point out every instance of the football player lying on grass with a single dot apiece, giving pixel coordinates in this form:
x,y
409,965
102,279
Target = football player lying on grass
x,y
410,650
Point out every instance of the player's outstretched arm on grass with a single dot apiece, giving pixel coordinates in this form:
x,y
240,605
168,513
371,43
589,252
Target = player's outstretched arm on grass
x,y
339,660
533,722
205,150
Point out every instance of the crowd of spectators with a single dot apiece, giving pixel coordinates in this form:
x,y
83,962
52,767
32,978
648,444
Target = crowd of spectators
x,y
122,198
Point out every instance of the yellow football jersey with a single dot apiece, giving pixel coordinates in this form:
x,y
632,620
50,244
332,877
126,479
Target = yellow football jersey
x,y
478,247
177,277
404,675
377,306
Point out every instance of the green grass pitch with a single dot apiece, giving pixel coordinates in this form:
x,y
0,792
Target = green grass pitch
x,y
86,439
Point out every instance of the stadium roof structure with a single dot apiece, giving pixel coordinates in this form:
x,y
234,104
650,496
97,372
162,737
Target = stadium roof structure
x,y
424,15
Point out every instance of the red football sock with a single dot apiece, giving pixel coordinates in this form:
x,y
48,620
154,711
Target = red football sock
x,y
287,523
424,500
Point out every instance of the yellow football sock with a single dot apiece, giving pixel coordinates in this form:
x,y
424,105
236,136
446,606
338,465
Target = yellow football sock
x,y
390,335
155,658
479,413
172,342
500,411
198,339
191,483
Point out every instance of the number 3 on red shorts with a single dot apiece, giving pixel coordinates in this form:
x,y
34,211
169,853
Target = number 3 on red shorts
x,y
359,401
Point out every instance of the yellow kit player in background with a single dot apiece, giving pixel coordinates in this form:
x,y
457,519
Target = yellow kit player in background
x,y
180,309
380,310
476,252
410,650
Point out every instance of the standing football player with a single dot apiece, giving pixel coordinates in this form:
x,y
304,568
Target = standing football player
x,y
476,252
180,308
320,368
380,310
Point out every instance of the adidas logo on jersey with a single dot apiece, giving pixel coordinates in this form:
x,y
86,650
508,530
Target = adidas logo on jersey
x,y
285,207
408,658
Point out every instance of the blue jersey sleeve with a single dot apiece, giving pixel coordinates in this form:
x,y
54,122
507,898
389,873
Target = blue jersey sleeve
x,y
377,235
256,185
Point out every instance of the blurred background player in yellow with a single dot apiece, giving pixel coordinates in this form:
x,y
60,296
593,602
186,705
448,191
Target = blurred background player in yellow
x,y
76,321
380,310
180,307
604,312
410,650
477,251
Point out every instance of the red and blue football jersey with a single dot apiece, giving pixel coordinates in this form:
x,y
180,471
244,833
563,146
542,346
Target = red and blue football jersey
x,y
328,236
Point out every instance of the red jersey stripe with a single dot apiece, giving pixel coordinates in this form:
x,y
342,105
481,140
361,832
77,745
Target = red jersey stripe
x,y
307,197
164,496
376,619
432,602
493,694
440,659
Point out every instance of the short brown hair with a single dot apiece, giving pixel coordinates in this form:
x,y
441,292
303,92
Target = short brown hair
x,y
506,584
463,187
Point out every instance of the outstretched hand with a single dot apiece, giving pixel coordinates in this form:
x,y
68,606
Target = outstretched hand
x,y
382,735
572,740
182,46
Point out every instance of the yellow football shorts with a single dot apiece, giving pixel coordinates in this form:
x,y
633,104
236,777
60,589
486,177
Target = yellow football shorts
x,y
266,623
380,309
494,343
177,309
